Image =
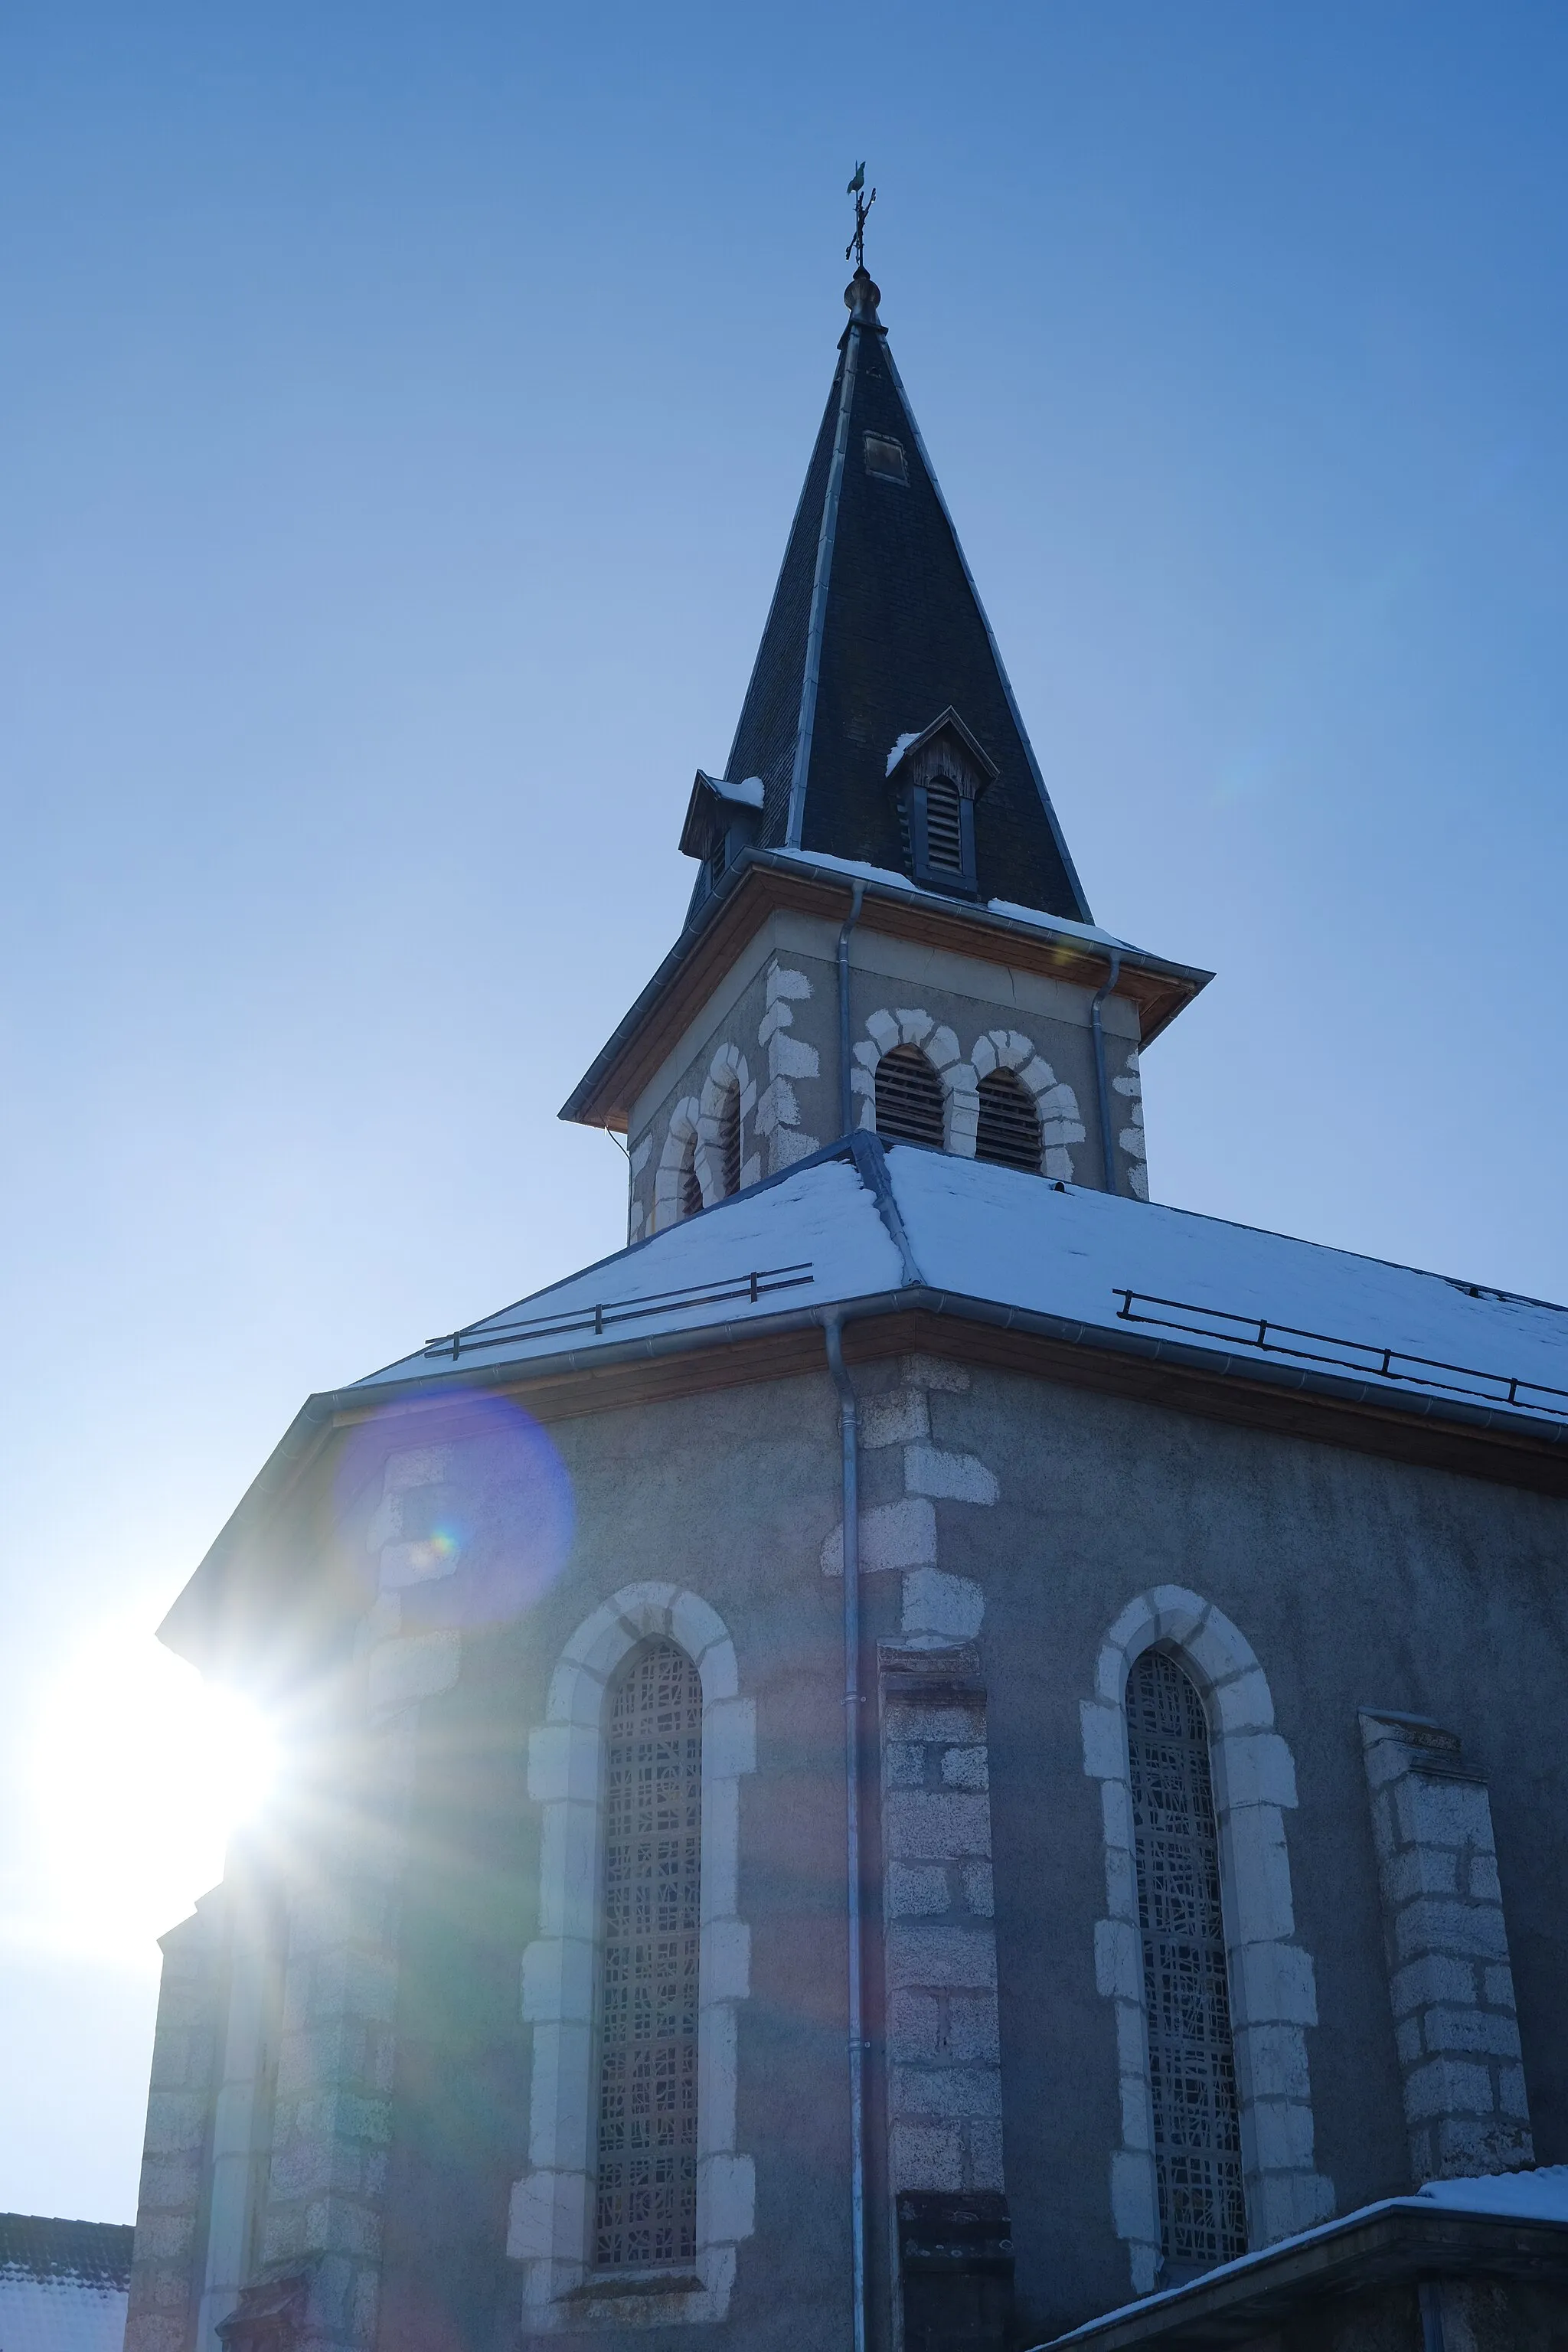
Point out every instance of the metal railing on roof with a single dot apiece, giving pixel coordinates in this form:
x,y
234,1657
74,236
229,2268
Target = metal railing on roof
x,y
605,1314
1394,1364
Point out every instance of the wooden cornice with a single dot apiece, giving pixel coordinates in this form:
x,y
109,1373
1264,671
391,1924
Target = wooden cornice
x,y
694,968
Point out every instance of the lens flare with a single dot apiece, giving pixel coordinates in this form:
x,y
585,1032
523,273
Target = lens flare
x,y
140,1773
470,1526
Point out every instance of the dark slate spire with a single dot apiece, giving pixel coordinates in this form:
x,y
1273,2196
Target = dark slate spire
x,y
875,631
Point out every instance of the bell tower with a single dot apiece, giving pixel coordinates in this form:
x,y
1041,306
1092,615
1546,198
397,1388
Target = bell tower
x,y
886,929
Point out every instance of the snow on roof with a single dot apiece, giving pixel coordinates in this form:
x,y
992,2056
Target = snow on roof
x,y
1006,908
63,2284
747,792
1538,2196
1100,1267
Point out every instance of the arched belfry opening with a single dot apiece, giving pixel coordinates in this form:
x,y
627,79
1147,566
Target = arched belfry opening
x,y
908,1098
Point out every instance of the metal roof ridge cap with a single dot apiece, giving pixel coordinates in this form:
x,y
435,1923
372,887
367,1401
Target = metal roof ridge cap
x,y
816,623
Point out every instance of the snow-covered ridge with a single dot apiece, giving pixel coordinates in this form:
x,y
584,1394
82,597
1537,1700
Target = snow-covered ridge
x,y
1105,1269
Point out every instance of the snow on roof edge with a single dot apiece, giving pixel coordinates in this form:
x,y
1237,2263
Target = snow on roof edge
x,y
1482,2195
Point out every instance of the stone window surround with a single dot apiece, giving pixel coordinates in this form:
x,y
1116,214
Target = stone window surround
x,y
551,2205
692,1140
680,1153
1272,1993
997,1049
727,1073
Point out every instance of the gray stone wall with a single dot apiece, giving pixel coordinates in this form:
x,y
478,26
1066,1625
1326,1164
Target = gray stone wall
x,y
1017,1516
777,1013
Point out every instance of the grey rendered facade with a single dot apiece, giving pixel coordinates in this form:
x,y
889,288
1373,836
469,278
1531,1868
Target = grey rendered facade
x,y
1356,1582
378,2075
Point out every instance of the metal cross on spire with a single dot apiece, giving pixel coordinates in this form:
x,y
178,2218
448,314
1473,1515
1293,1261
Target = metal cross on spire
x,y
862,203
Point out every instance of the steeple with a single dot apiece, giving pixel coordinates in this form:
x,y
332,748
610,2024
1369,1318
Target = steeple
x,y
886,931
876,633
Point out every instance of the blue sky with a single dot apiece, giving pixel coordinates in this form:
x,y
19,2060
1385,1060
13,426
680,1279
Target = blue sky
x,y
401,414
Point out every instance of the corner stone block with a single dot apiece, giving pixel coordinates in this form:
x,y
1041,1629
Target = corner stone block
x,y
727,2196
940,1607
892,1536
1134,2197
948,1478
1104,1749
926,2155
900,1417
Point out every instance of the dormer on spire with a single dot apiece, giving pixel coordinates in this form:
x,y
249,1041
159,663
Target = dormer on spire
x,y
940,774
876,623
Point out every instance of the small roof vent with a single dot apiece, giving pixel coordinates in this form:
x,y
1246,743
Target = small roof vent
x,y
885,458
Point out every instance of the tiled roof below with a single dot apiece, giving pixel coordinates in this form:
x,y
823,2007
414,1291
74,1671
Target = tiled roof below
x,y
63,2284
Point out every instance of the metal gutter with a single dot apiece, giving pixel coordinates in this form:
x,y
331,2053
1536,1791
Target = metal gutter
x,y
1101,1087
804,869
853,1700
920,1297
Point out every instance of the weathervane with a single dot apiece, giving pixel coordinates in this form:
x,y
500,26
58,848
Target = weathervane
x,y
862,203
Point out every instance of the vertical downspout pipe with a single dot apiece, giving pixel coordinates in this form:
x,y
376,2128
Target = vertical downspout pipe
x,y
845,1093
850,1428
1107,1144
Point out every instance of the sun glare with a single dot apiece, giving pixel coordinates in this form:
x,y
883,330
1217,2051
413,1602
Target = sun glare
x,y
140,1772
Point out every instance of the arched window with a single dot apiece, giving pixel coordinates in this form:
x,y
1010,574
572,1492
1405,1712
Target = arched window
x,y
729,1143
1192,2056
645,2200
691,1189
1009,1125
908,1098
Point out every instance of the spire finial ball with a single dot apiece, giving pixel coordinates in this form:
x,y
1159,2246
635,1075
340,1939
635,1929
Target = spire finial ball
x,y
861,296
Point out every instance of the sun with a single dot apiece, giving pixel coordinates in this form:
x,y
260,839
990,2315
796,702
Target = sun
x,y
140,1773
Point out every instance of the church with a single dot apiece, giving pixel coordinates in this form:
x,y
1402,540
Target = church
x,y
932,1756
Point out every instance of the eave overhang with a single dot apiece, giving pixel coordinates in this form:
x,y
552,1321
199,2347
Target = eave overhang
x,y
1399,2242
763,880
1443,1433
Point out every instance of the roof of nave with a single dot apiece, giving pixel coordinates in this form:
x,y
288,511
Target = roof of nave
x,y
860,1224
63,2284
875,630
927,1250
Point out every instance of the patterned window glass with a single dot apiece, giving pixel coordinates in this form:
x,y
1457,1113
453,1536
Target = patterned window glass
x,y
1192,2058
646,2203
729,1142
